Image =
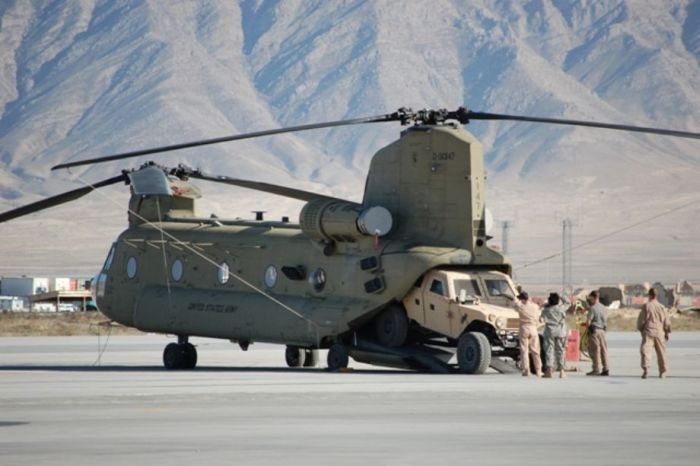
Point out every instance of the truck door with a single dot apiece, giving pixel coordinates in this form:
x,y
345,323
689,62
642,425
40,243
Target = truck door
x,y
437,305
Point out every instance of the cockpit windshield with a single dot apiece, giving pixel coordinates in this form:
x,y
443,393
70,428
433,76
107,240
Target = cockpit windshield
x,y
499,287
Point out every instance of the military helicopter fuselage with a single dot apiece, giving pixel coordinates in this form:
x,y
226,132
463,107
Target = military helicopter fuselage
x,y
306,285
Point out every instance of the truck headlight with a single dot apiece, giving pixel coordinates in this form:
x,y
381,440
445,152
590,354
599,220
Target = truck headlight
x,y
500,323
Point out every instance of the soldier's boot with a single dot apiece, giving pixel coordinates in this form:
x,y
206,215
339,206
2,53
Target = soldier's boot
x,y
547,373
644,374
562,374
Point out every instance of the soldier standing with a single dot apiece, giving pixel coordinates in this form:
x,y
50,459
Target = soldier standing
x,y
597,323
655,326
554,317
529,340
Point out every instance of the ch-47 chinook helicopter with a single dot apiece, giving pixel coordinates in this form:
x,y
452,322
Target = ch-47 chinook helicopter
x,y
406,278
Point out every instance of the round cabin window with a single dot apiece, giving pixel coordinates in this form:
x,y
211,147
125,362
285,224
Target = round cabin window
x,y
317,279
223,273
177,270
270,276
131,267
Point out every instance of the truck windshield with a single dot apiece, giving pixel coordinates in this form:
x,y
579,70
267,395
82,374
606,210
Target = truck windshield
x,y
498,287
470,287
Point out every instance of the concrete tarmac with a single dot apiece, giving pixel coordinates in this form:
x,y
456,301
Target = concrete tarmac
x,y
66,400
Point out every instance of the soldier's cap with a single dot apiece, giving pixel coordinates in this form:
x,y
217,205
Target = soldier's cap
x,y
523,296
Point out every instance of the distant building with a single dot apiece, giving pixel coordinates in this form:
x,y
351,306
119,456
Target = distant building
x,y
611,294
13,304
24,286
636,294
686,293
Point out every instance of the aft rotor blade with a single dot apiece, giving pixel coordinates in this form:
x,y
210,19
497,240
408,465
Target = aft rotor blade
x,y
236,137
264,187
593,124
58,199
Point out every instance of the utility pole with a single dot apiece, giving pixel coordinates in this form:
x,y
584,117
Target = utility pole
x,y
566,260
505,226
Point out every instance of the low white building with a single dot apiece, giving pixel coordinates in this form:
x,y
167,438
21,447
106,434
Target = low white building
x,y
13,304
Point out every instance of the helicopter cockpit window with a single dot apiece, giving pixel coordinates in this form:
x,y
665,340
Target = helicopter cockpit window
x,y
131,267
317,279
110,259
222,273
470,287
177,270
437,287
497,287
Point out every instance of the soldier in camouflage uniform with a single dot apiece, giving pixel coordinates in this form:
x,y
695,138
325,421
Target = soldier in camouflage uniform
x,y
555,331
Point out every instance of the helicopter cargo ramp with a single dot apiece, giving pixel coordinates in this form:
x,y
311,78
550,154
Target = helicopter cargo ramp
x,y
422,358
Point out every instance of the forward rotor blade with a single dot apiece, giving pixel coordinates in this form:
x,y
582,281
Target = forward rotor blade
x,y
237,137
58,199
264,187
593,124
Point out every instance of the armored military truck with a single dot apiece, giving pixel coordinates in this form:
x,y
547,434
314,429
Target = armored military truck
x,y
447,309
469,308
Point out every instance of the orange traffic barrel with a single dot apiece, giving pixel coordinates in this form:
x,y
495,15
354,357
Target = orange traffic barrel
x,y
572,346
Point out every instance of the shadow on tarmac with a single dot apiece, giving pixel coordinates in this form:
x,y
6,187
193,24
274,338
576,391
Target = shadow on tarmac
x,y
205,369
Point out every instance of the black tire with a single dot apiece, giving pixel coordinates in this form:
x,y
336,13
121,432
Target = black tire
x,y
189,356
294,356
310,358
391,326
338,357
473,353
173,356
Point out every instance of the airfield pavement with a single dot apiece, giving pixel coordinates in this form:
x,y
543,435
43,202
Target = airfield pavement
x,y
60,405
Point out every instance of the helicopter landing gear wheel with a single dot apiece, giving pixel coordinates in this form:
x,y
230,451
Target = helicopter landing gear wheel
x,y
391,326
311,358
473,353
190,358
338,357
180,356
294,356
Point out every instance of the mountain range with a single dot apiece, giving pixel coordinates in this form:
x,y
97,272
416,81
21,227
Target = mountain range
x,y
84,78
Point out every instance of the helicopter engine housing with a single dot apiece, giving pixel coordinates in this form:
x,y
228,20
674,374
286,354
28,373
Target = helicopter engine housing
x,y
333,220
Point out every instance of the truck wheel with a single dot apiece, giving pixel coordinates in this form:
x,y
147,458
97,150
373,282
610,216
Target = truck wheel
x,y
294,356
473,353
338,357
391,326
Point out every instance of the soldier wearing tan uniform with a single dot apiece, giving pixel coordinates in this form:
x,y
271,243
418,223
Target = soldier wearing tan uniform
x,y
529,339
597,323
655,326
